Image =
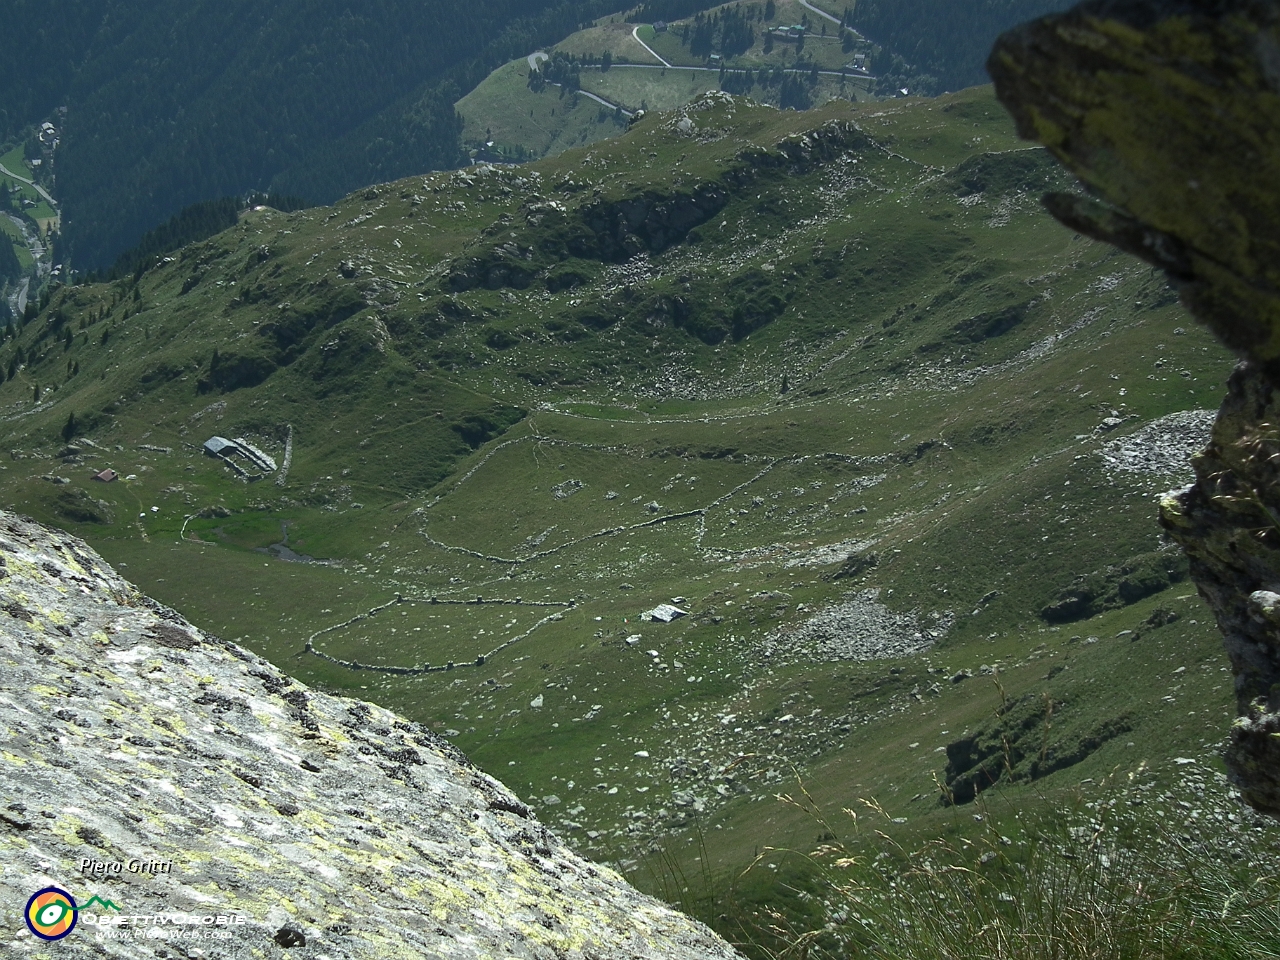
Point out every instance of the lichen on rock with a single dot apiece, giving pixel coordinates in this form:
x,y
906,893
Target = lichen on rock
x,y
1168,111
333,826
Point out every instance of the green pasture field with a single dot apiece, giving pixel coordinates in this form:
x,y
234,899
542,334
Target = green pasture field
x,y
14,162
656,89
42,213
504,109
831,7
615,37
44,216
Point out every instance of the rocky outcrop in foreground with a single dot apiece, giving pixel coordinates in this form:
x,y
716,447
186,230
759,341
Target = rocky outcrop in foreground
x,y
229,811
1169,111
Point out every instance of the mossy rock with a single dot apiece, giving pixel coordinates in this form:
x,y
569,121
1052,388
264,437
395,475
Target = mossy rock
x,y
1000,173
79,506
1118,585
1023,744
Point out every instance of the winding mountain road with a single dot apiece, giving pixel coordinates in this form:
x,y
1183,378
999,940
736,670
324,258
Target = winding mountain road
x,y
536,58
608,103
850,73
31,183
822,13
635,35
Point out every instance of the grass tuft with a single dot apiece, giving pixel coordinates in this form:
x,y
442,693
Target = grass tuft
x,y
1084,880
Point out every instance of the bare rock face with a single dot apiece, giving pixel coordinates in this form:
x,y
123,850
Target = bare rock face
x,y
1226,523
217,808
1169,112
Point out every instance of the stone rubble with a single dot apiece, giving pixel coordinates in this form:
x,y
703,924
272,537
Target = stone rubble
x,y
860,628
1162,449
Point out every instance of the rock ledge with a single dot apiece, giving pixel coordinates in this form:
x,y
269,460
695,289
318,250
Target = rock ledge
x,y
334,827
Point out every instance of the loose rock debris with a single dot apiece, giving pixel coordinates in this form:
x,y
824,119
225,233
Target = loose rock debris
x,y
1163,448
860,628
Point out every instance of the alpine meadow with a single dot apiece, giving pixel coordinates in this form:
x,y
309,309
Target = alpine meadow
x,y
769,497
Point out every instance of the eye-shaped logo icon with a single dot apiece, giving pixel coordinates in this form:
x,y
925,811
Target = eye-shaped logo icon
x,y
51,913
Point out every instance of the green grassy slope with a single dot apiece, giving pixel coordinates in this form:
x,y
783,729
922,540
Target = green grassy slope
x,y
503,109
793,369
